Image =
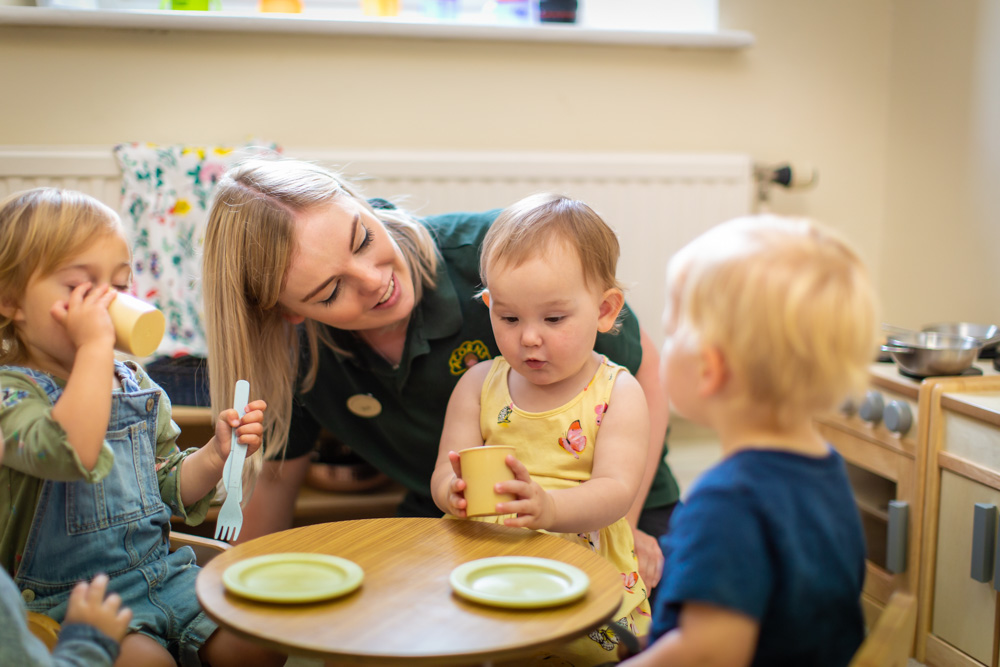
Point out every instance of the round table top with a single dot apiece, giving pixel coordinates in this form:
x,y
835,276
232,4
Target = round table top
x,y
405,611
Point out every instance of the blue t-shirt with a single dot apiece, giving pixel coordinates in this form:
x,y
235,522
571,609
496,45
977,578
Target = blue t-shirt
x,y
776,536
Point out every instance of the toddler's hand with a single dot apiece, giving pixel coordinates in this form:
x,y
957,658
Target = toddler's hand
x,y
533,506
249,428
88,605
85,315
456,488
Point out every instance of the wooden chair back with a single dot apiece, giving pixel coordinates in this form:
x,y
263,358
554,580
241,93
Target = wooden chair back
x,y
890,641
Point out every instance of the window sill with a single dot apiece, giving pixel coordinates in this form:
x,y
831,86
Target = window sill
x,y
338,23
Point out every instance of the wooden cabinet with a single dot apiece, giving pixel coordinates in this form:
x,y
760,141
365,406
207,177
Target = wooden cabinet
x,y
886,467
958,622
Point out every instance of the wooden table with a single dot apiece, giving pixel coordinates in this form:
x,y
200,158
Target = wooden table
x,y
405,612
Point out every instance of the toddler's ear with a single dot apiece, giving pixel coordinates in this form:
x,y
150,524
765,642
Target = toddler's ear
x,y
713,371
612,303
8,308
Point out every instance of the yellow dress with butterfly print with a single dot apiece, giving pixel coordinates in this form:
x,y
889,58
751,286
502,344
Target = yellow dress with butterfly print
x,y
557,448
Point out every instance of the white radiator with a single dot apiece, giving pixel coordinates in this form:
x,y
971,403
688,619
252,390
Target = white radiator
x,y
656,202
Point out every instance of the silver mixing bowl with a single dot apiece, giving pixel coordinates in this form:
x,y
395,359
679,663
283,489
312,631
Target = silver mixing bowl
x,y
928,353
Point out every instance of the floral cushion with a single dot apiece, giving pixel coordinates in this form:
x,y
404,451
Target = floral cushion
x,y
166,192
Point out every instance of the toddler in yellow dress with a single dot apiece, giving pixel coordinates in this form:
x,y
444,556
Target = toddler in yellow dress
x,y
579,422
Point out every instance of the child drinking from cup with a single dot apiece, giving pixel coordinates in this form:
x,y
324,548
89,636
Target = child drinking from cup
x,y
577,421
93,469
770,322
93,628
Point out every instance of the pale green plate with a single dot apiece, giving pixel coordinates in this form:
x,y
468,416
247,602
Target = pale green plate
x,y
519,582
292,577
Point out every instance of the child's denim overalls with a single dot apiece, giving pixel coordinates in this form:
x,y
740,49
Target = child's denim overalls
x,y
119,526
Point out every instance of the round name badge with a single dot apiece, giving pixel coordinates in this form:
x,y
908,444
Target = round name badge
x,y
364,405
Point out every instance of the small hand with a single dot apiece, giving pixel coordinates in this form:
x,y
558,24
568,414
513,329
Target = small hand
x,y
456,488
650,557
249,428
534,507
87,604
85,315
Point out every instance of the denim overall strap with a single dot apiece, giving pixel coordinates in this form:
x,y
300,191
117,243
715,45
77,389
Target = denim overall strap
x,y
111,526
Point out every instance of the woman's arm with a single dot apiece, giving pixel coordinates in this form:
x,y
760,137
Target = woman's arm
x,y
647,547
622,440
706,636
461,430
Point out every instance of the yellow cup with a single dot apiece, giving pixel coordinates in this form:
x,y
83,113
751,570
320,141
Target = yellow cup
x,y
139,326
482,468
380,7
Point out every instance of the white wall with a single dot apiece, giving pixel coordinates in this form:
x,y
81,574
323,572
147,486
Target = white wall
x,y
941,258
814,88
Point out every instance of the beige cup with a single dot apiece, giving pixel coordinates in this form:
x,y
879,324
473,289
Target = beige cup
x,y
482,467
139,326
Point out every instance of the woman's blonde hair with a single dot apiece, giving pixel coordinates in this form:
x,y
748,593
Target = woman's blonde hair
x,y
789,303
526,228
41,229
249,245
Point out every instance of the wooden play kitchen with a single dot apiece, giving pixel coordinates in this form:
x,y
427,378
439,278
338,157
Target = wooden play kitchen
x,y
924,460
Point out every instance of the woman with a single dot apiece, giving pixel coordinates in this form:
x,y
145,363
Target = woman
x,y
355,316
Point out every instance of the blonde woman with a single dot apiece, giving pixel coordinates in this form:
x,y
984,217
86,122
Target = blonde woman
x,y
355,316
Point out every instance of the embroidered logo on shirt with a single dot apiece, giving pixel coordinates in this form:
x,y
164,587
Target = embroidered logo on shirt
x,y
467,355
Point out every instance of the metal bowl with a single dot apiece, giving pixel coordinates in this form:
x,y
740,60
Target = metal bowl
x,y
928,353
987,334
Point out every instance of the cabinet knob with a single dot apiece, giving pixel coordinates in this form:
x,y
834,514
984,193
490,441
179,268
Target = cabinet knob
x,y
847,407
898,417
872,407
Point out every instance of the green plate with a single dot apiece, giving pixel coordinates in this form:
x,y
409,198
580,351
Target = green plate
x,y
519,582
292,577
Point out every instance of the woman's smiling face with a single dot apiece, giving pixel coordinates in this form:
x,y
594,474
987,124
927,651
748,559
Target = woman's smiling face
x,y
346,270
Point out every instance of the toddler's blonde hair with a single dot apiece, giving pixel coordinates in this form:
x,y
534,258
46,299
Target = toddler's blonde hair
x,y
788,302
40,229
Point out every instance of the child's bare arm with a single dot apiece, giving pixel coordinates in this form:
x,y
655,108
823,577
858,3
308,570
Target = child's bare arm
x,y
202,470
85,404
706,636
619,456
461,430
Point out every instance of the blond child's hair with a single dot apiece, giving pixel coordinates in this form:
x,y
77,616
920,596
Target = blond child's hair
x,y
248,249
527,228
40,229
788,302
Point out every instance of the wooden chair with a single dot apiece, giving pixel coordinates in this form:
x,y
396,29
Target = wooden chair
x,y
205,549
890,640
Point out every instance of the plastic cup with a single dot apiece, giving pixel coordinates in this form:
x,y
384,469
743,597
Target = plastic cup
x,y
139,326
482,468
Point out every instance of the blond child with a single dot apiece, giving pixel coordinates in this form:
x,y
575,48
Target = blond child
x,y
770,322
578,422
93,468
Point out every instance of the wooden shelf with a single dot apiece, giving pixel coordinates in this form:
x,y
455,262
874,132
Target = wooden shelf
x,y
338,23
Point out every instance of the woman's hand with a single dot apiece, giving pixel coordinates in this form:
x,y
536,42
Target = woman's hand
x,y
88,605
650,557
534,506
249,429
456,488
